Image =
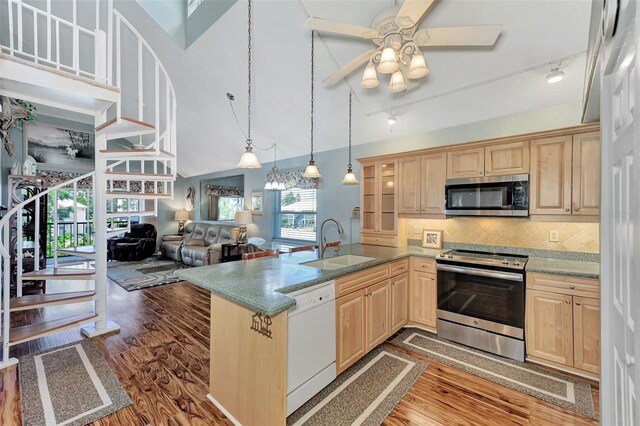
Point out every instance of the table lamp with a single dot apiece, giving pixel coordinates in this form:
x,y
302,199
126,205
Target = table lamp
x,y
181,216
243,218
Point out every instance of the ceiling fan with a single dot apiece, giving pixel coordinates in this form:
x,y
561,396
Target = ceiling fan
x,y
397,38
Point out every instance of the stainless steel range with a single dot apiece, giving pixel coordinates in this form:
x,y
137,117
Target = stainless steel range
x,y
481,300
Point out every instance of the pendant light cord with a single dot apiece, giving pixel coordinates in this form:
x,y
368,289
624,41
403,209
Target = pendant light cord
x,y
349,166
249,74
312,75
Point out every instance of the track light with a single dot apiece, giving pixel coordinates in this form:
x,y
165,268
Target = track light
x,y
555,75
392,119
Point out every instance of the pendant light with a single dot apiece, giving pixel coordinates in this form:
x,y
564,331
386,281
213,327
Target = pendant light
x,y
249,160
349,177
312,171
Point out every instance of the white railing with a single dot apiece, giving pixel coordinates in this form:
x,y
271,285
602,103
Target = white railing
x,y
28,25
5,248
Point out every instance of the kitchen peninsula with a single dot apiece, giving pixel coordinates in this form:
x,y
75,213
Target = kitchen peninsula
x,y
250,302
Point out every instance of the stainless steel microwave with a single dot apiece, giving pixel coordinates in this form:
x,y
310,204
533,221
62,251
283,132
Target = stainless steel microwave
x,y
487,196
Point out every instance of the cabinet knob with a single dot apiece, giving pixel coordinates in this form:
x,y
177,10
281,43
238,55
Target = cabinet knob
x,y
567,210
572,287
417,210
568,301
578,303
577,209
480,173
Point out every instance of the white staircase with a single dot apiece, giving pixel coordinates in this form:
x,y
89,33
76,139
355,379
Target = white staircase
x,y
104,69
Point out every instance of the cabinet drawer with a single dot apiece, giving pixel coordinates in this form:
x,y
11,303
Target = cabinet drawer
x,y
425,265
398,267
353,282
562,284
379,240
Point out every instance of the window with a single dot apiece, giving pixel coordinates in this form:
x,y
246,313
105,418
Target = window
x,y
228,206
294,214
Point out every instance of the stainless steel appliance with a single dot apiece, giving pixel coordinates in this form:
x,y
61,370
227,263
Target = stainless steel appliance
x,y
481,301
487,196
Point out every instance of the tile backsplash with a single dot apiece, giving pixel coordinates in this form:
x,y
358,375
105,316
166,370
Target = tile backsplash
x,y
572,236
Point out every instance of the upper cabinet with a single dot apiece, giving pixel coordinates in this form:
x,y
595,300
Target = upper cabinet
x,y
494,160
421,184
565,175
379,201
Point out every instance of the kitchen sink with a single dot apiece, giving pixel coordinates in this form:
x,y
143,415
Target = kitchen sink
x,y
338,262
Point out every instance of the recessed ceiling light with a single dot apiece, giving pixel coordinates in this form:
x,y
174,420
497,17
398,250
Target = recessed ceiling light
x,y
555,76
392,119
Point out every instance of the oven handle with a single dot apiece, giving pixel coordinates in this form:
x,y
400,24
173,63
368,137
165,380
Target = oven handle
x,y
481,272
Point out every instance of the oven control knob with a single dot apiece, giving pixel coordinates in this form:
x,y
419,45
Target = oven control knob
x,y
516,263
450,256
505,262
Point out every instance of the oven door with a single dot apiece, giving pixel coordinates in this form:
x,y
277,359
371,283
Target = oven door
x,y
481,298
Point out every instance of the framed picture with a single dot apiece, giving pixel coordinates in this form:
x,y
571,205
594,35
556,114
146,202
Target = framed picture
x,y
59,147
256,203
432,239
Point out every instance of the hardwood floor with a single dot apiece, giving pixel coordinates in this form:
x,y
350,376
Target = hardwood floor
x,y
161,356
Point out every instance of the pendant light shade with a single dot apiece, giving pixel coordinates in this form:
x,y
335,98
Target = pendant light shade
x,y
397,83
388,61
312,171
370,77
249,159
349,177
418,67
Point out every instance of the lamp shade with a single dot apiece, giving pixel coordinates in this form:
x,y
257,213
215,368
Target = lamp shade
x,y
243,217
388,62
249,159
311,171
349,178
418,67
397,83
369,78
182,215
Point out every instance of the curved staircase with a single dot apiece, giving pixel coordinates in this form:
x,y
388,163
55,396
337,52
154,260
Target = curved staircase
x,y
110,73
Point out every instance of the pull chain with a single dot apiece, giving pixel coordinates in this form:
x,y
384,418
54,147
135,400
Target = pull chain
x,y
249,75
349,166
312,55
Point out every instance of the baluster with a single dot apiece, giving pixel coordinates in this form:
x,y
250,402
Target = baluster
x,y
74,235
36,238
19,252
76,39
157,97
20,48
49,30
58,45
35,37
118,65
5,297
140,88
55,228
10,15
110,42
167,113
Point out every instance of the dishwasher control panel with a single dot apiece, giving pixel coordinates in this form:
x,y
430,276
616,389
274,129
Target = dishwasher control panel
x,y
314,296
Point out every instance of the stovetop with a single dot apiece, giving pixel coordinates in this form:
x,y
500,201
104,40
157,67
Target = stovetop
x,y
498,260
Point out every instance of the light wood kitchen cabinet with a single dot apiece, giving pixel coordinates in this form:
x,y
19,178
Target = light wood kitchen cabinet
x,y
550,326
506,159
399,301
565,175
465,163
377,314
586,174
379,202
421,184
586,323
423,292
563,321
350,329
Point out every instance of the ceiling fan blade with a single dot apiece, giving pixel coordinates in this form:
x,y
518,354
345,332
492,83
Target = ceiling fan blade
x,y
479,35
327,25
411,11
349,67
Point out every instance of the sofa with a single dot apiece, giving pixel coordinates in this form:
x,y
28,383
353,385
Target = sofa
x,y
201,243
137,244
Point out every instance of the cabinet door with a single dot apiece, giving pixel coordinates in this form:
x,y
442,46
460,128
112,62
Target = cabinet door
x,y
350,331
549,324
550,186
586,334
409,185
368,197
465,163
388,201
586,174
377,314
423,298
433,175
399,302
506,159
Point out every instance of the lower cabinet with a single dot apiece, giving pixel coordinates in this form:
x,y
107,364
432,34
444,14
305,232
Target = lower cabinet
x,y
586,337
376,302
350,324
423,292
399,302
550,326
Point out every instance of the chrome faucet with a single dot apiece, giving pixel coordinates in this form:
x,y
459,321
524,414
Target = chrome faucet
x,y
323,240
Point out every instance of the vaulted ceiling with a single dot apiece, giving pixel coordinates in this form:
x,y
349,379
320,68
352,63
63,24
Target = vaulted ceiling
x,y
465,85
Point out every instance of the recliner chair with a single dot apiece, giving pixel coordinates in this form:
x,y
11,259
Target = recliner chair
x,y
138,244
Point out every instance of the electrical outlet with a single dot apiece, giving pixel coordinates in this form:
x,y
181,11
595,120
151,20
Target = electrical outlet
x,y
417,229
553,236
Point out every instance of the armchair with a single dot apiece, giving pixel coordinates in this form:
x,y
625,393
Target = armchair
x,y
138,244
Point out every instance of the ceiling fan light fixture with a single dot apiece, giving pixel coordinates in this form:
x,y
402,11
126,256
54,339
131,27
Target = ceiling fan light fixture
x,y
555,76
397,83
418,67
370,77
388,61
249,159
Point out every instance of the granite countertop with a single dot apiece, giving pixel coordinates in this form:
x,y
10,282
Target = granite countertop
x,y
262,284
572,268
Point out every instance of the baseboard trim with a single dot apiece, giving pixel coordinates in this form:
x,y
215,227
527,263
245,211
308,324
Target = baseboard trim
x,y
564,369
421,327
9,363
224,411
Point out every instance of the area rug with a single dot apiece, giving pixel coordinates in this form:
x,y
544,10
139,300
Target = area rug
x,y
365,393
150,272
70,385
569,393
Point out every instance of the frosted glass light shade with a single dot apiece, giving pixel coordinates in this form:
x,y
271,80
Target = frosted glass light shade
x,y
370,77
249,159
418,67
555,76
388,62
311,171
268,186
349,178
397,83
280,187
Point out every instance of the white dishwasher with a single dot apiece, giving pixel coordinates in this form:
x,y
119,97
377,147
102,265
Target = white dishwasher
x,y
311,343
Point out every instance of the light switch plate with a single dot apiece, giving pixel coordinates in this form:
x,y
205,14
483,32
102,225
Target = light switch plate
x,y
417,229
553,236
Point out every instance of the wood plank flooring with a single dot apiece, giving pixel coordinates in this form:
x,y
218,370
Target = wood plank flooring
x,y
161,356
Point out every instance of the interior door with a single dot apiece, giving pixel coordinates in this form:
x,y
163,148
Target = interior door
x,y
620,218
